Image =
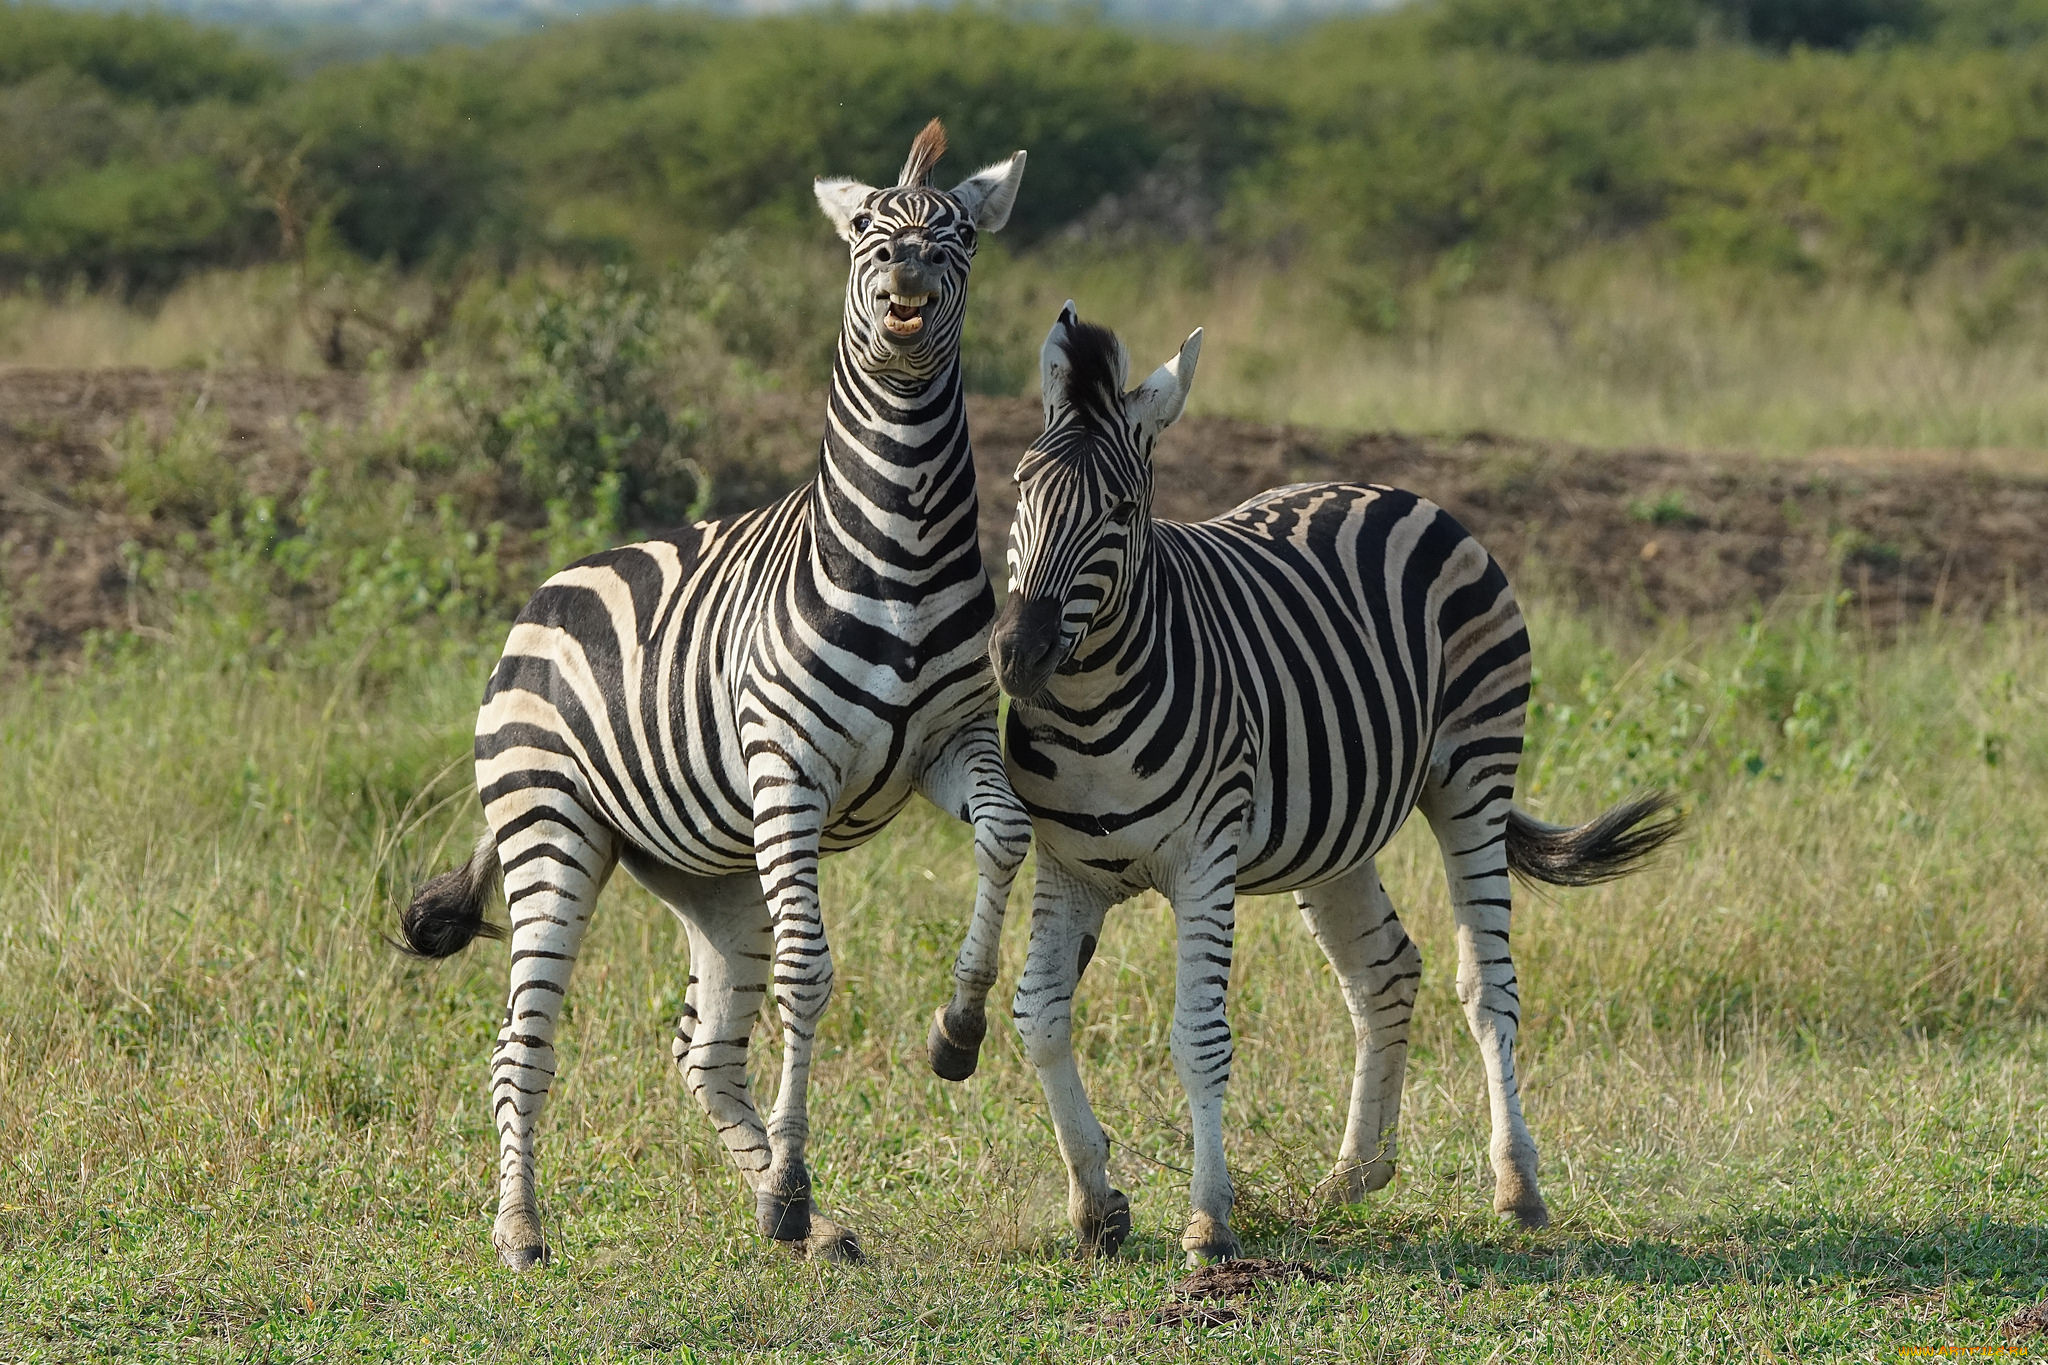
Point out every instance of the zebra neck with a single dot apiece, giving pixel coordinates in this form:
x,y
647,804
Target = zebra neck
x,y
895,483
1123,659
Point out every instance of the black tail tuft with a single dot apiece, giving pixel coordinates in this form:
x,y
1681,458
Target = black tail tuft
x,y
447,912
1612,844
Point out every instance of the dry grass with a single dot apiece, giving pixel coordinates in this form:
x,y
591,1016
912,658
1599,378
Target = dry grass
x,y
1606,349
222,319
1599,350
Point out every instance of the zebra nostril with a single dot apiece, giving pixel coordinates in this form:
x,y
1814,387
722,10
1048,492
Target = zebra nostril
x,y
882,254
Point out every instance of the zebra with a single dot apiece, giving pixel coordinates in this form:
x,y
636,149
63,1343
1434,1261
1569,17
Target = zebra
x,y
716,707
1254,704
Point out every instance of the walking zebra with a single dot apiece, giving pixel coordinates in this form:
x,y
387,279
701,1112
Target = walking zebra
x,y
716,707
1254,704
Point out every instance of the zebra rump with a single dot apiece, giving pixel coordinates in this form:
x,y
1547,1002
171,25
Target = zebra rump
x,y
447,912
1612,844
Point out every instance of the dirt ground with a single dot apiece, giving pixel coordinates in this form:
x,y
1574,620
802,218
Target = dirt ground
x,y
1642,532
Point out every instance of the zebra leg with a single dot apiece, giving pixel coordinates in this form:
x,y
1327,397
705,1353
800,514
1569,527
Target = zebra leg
x,y
1206,932
1066,922
554,869
1474,844
1378,966
967,779
731,956
729,967
789,819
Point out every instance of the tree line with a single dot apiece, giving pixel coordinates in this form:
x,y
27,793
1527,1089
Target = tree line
x,y
1812,137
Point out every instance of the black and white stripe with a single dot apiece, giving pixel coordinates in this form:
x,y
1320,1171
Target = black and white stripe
x,y
1255,704
717,707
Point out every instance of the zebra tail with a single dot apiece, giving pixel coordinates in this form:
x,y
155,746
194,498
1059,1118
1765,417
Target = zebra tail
x,y
1612,844
447,911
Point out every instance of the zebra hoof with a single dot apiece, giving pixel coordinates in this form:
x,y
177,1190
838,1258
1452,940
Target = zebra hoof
x,y
955,1050
1104,1236
827,1242
523,1258
518,1240
1530,1215
784,1217
1209,1241
1352,1181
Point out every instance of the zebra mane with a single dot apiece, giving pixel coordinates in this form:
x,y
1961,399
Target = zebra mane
x,y
925,151
1096,366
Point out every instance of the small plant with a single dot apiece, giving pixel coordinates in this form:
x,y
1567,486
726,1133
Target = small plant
x,y
186,474
1669,509
581,406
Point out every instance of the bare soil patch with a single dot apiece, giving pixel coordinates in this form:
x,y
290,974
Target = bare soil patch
x,y
1237,1279
2028,1322
1644,533
1198,1299
1648,533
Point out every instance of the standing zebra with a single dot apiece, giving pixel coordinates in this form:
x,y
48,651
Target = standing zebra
x,y
1254,704
718,706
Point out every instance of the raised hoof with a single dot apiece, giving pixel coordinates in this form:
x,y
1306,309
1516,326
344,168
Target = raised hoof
x,y
523,1257
1209,1241
1105,1235
783,1217
827,1242
955,1050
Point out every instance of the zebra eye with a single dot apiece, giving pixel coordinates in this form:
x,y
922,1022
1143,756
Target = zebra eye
x,y
967,237
1123,512
862,222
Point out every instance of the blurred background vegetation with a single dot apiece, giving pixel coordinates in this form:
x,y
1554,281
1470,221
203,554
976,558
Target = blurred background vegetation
x,y
1812,138
1775,224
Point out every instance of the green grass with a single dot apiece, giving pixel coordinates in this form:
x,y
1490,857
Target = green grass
x,y
1791,1086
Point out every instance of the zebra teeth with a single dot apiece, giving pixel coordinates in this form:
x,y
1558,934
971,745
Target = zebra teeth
x,y
900,325
909,300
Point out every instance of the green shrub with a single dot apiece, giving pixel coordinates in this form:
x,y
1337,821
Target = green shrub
x,y
154,58
1570,29
579,410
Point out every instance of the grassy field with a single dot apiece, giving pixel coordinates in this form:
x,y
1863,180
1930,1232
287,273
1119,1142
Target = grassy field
x,y
1791,1086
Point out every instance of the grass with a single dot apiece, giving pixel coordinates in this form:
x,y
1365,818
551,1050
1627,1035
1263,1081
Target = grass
x,y
1788,1086
1604,348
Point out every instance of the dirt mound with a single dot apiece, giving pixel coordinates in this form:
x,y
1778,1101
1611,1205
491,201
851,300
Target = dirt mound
x,y
65,547
1646,533
1197,1300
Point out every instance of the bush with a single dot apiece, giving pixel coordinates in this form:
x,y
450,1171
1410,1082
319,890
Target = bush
x,y
1570,29
579,410
153,58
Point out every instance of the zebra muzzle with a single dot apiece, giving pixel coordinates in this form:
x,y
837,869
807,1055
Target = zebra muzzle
x,y
1024,645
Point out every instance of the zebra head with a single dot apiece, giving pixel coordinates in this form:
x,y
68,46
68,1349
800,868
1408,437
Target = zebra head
x,y
1084,499
912,246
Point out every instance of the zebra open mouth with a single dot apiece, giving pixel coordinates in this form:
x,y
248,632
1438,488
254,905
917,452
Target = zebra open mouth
x,y
905,317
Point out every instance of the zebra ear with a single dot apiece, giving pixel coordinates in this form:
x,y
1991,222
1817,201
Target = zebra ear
x,y
841,198
1054,368
991,192
1157,403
